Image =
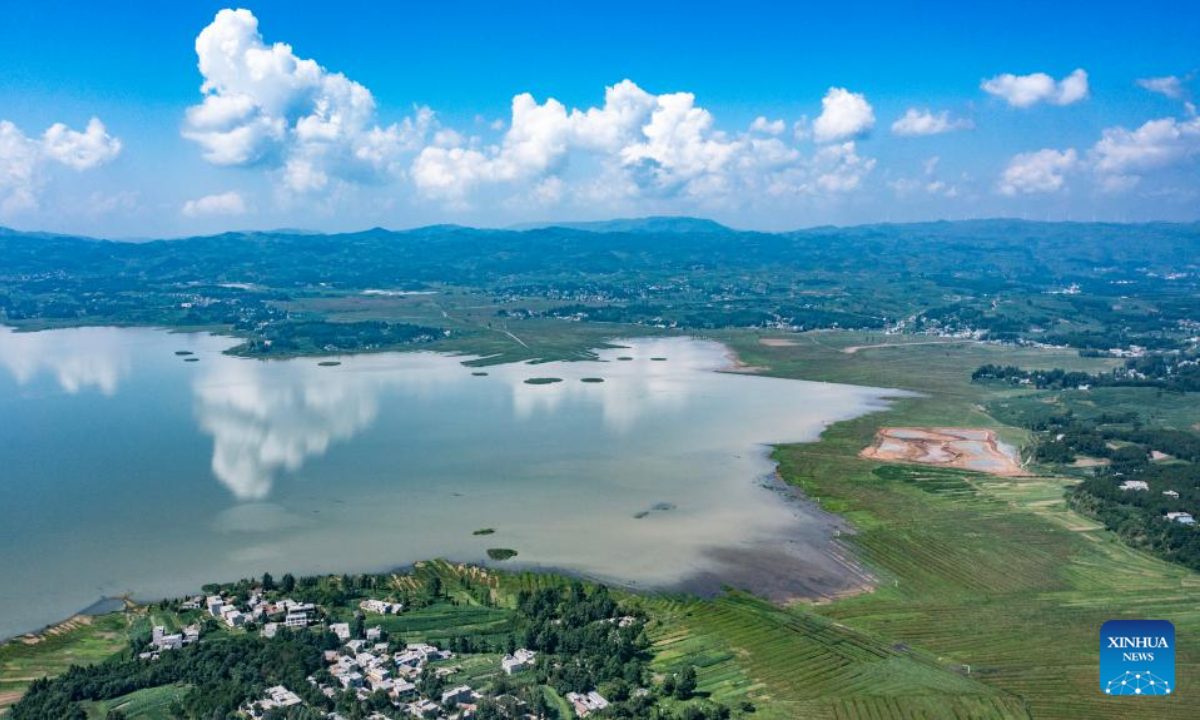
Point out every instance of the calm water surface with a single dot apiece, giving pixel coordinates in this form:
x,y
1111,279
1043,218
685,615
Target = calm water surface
x,y
125,469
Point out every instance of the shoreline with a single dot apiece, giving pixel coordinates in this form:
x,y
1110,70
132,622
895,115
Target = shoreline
x,y
802,560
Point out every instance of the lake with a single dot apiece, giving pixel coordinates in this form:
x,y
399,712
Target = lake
x,y
128,467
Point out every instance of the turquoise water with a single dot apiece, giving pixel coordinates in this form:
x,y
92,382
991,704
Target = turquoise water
x,y
126,469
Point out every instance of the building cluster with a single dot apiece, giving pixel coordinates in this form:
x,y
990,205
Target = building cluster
x,y
367,666
160,641
586,703
365,669
1180,517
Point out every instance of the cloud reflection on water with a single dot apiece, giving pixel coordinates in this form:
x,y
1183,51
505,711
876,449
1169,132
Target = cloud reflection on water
x,y
86,358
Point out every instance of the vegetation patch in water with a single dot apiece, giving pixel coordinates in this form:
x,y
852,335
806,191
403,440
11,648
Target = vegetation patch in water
x,y
501,553
191,359
484,531
330,363
660,359
479,373
624,357
591,380
543,381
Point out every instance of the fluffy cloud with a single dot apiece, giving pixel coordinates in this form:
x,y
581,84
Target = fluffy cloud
x,y
768,127
81,150
844,115
925,122
264,105
23,158
1026,90
1122,156
1171,86
646,145
1037,172
227,203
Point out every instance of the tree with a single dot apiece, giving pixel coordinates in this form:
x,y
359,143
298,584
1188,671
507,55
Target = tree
x,y
685,687
268,582
288,583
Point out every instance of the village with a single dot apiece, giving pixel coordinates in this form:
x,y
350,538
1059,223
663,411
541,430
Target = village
x,y
388,679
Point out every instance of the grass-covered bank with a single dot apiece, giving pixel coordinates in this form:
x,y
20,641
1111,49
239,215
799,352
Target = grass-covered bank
x,y
997,574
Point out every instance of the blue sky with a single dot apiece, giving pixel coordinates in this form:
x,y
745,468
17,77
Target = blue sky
x,y
343,116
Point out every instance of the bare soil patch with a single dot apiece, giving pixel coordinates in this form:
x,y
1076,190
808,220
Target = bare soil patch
x,y
973,449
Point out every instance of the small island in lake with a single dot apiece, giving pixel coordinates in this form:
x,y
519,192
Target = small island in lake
x,y
329,363
484,531
592,379
543,381
501,553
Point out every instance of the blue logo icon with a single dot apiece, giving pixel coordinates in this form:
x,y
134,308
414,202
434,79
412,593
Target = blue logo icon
x,y
1137,657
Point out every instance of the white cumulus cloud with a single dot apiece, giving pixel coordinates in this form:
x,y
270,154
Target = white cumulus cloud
x,y
1026,90
226,203
81,150
844,115
1037,172
22,159
926,122
265,105
1121,157
645,145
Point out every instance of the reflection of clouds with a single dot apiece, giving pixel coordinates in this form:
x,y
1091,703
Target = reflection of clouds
x,y
256,518
271,416
632,388
79,358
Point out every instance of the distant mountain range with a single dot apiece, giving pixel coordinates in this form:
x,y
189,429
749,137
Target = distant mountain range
x,y
652,224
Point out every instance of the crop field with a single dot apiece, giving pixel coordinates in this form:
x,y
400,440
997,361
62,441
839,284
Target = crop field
x,y
794,663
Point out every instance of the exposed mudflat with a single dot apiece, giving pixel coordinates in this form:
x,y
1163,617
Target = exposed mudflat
x,y
975,449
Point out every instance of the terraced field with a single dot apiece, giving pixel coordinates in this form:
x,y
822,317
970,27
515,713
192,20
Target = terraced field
x,y
793,663
992,573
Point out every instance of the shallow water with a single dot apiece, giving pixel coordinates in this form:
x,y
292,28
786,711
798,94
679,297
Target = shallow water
x,y
125,469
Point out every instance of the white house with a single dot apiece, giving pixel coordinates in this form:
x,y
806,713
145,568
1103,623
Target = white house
x,y
1139,485
1181,517
587,704
297,619
518,661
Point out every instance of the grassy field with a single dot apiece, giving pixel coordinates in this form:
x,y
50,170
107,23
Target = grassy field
x,y
80,640
148,704
475,327
974,570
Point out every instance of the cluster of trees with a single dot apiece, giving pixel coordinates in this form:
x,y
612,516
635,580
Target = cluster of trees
x,y
1127,444
1175,373
292,337
223,674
